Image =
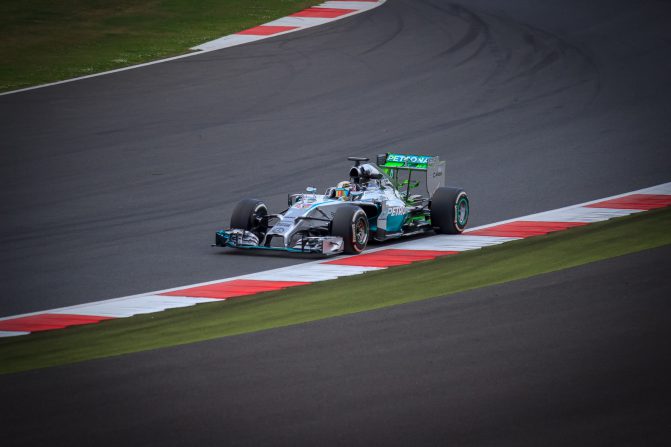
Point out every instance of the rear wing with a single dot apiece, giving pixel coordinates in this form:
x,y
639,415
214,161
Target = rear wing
x,y
393,164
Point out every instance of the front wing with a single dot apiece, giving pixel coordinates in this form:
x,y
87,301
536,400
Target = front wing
x,y
234,238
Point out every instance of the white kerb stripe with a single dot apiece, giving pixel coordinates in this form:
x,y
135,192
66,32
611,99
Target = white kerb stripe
x,y
445,247
580,214
338,269
133,306
228,41
360,6
290,276
664,189
329,269
310,273
658,189
301,22
12,333
453,242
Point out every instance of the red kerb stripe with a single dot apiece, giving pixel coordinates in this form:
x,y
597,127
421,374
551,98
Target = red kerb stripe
x,y
266,30
390,258
635,202
524,229
45,322
237,287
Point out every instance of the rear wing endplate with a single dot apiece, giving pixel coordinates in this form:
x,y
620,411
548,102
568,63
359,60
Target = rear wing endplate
x,y
430,164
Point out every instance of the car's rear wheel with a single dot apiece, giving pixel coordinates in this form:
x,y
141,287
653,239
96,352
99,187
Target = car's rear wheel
x,y
250,215
449,210
351,223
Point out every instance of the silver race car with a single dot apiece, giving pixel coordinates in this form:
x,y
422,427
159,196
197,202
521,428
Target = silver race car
x,y
379,201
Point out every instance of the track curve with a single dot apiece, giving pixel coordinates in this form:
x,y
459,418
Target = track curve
x,y
114,185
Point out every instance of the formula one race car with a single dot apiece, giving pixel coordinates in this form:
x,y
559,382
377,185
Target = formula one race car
x,y
377,202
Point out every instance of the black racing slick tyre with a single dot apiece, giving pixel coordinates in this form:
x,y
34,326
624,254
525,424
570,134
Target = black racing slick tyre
x,y
351,224
449,210
250,215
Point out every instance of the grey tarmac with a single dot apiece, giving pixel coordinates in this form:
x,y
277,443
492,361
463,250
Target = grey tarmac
x,y
114,185
576,357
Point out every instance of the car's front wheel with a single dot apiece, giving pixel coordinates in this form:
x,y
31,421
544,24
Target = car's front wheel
x,y
351,223
250,215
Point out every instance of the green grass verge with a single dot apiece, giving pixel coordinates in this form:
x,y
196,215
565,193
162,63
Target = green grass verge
x,y
43,41
444,276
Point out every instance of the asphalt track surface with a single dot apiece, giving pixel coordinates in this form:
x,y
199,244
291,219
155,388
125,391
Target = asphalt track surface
x,y
576,357
114,185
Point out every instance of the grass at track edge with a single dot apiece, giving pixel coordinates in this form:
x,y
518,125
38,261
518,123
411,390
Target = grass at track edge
x,y
44,41
373,290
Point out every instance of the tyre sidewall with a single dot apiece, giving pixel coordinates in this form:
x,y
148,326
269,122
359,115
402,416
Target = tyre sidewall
x,y
359,242
445,210
344,224
459,221
244,213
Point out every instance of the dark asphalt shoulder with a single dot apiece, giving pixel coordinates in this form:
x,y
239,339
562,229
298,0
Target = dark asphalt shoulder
x,y
575,357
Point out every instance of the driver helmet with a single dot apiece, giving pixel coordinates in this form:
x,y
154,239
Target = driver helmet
x,y
342,190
